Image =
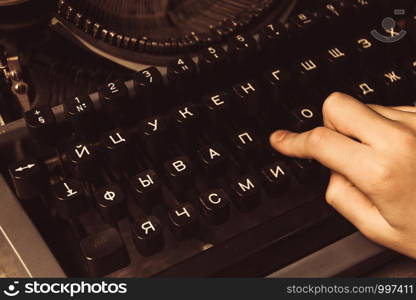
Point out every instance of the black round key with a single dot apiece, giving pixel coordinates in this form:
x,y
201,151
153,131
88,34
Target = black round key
x,y
218,107
183,221
213,61
148,236
246,193
148,84
70,198
181,74
241,48
80,112
180,173
213,159
41,123
277,177
215,206
110,200
104,252
29,178
147,189
273,39
82,159
114,97
117,145
305,118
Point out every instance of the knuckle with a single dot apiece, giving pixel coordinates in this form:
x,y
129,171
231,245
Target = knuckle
x,y
331,102
405,137
385,170
317,136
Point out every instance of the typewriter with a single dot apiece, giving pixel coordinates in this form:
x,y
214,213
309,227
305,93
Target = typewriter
x,y
134,134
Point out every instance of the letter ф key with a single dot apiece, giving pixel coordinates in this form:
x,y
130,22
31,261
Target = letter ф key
x,y
111,203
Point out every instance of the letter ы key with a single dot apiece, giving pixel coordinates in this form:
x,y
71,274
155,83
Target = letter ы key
x,y
215,206
69,198
29,178
41,124
148,236
182,74
103,252
147,189
148,84
277,177
81,113
246,193
111,202
183,220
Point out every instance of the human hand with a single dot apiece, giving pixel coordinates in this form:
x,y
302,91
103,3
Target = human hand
x,y
371,151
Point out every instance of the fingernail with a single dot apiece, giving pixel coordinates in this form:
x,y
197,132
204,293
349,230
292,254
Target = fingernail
x,y
278,136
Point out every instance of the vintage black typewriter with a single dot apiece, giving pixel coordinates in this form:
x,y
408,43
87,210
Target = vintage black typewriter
x,y
134,134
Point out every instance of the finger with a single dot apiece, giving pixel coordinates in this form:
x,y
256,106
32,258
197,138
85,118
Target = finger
x,y
399,115
330,148
350,202
410,109
355,119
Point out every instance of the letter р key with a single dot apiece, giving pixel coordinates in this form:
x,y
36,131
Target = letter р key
x,y
29,178
148,236
41,123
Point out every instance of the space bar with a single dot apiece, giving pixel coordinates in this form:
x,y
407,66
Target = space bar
x,y
351,256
